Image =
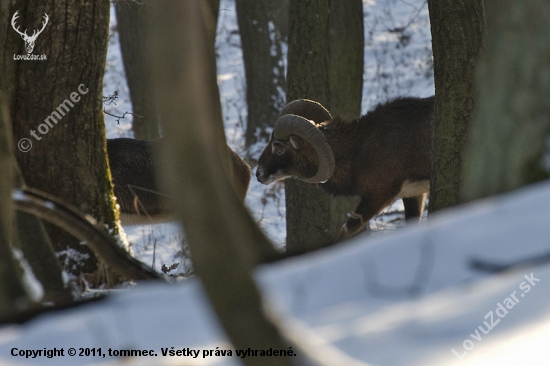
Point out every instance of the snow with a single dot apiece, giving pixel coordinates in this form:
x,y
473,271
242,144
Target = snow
x,y
407,298
402,297
32,285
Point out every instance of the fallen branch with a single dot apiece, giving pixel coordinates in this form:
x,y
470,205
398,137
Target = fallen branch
x,y
85,228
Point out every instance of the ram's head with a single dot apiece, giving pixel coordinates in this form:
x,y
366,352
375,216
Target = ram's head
x,y
297,147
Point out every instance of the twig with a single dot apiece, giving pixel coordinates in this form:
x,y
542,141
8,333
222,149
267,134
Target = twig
x,y
120,117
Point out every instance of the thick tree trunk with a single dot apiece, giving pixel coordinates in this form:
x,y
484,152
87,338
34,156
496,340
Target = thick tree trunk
x,y
56,104
346,81
212,14
510,133
313,218
346,58
223,238
458,32
42,258
308,211
130,16
264,69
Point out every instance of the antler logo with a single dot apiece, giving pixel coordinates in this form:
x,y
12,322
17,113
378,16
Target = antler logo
x,y
29,40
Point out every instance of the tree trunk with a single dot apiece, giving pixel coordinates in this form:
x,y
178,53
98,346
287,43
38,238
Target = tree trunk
x,y
510,133
212,15
313,218
13,296
458,32
223,238
264,68
56,104
346,82
130,17
308,212
346,58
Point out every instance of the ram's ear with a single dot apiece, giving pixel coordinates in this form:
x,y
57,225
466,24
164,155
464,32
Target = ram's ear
x,y
296,141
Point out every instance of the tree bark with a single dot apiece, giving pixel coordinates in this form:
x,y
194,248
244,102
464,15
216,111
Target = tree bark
x,y
313,218
13,296
458,32
40,257
510,133
346,82
223,238
308,212
130,16
264,68
57,105
346,58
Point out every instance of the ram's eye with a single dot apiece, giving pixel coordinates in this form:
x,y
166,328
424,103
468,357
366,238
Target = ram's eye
x,y
277,147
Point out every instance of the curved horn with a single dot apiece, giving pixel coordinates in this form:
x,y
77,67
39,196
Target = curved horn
x,y
308,109
296,125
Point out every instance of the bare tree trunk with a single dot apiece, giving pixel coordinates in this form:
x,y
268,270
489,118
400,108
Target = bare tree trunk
x,y
511,129
41,258
458,32
13,296
214,9
346,58
130,16
223,238
346,82
56,104
308,211
264,69
313,218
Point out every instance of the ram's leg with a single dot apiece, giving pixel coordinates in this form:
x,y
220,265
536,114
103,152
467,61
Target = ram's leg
x,y
367,209
414,206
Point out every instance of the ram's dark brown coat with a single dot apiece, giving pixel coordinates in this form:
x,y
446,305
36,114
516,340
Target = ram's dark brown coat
x,y
382,156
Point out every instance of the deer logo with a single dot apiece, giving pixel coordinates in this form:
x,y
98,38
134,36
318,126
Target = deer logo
x,y
29,40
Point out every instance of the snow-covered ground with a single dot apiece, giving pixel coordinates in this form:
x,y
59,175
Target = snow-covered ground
x,y
409,297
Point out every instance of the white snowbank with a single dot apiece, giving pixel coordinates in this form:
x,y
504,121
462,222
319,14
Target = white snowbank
x,y
406,298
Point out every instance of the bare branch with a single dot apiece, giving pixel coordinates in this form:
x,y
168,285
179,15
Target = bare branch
x,y
85,228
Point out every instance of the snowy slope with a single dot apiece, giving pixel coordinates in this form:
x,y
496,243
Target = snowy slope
x,y
407,298
414,291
